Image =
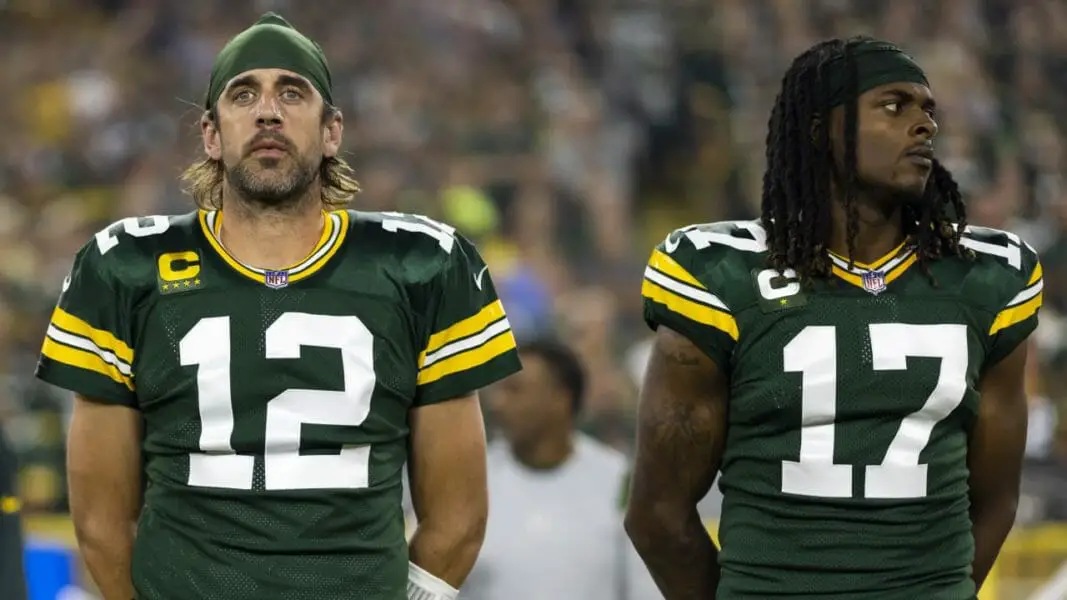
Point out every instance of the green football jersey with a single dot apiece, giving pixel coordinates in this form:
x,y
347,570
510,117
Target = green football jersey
x,y
844,473
276,403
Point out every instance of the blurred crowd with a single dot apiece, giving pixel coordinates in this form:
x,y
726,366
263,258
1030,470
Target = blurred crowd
x,y
566,137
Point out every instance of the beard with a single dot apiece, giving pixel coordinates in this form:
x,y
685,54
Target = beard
x,y
272,182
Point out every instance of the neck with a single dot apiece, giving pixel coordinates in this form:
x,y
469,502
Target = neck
x,y
879,228
271,238
547,452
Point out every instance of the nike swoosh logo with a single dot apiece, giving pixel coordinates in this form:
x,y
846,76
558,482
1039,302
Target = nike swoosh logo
x,y
478,277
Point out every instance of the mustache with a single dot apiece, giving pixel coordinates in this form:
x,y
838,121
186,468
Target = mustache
x,y
268,137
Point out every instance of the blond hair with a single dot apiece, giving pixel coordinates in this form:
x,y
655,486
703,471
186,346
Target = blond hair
x,y
203,179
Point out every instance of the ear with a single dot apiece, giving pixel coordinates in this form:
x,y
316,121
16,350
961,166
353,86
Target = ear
x,y
816,128
209,132
332,132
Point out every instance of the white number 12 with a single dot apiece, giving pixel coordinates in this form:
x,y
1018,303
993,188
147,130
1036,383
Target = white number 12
x,y
813,354
207,345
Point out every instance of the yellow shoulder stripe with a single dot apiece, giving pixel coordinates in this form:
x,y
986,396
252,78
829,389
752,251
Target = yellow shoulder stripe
x,y
668,266
469,326
691,310
1036,275
1016,314
464,361
105,340
84,359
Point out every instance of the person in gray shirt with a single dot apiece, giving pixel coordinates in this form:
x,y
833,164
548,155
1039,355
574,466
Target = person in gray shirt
x,y
556,495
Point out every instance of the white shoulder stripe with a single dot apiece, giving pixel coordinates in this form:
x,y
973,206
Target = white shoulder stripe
x,y
1027,294
468,343
682,289
76,341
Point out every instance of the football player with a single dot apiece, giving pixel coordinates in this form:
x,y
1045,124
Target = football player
x,y
851,364
267,364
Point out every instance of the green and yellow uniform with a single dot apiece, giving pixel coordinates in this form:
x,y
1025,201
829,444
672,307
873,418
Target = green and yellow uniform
x,y
845,473
276,404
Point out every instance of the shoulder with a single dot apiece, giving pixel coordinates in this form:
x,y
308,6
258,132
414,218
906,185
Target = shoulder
x,y
717,258
1003,266
127,252
405,232
413,248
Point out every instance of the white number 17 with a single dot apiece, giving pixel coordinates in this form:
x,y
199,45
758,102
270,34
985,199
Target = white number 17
x,y
813,354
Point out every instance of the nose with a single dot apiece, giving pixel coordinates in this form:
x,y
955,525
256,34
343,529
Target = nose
x,y
925,127
268,114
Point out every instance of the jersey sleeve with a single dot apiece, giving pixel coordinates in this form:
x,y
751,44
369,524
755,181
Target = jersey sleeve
x,y
471,344
1017,318
676,298
87,347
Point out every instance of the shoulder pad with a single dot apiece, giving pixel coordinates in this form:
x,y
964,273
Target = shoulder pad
x,y
422,231
742,236
1002,251
125,251
720,256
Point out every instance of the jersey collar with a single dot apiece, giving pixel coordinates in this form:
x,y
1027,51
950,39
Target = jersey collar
x,y
890,266
333,235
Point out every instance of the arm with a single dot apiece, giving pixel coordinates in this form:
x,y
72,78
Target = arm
x,y
104,473
680,436
448,487
995,456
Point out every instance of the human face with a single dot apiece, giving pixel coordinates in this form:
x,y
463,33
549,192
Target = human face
x,y
895,129
530,403
271,136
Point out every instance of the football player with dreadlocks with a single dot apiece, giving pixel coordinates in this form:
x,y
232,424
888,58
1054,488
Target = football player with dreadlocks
x,y
851,363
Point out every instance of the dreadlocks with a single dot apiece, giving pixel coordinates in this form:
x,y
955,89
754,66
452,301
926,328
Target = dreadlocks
x,y
797,183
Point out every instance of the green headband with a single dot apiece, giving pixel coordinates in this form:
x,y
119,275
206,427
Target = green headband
x,y
270,43
876,63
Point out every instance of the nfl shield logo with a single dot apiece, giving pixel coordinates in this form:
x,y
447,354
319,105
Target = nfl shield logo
x,y
276,279
874,282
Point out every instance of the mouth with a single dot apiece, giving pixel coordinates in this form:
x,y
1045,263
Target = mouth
x,y
268,149
921,155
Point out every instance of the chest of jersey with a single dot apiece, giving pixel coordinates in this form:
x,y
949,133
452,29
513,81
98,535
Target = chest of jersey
x,y
319,372
853,392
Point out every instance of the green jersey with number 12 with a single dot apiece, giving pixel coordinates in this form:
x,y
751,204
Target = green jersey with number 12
x,y
844,473
275,403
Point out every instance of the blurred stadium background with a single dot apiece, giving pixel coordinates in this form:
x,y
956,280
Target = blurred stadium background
x,y
566,137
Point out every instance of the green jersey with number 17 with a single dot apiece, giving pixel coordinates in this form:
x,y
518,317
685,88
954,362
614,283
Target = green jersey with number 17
x,y
275,403
844,473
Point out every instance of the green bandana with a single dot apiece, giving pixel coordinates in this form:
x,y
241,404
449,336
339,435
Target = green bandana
x,y
876,63
271,43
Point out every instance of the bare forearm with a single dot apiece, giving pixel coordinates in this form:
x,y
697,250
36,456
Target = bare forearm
x,y
108,553
991,524
449,552
679,554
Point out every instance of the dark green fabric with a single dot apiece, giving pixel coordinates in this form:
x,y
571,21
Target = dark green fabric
x,y
270,43
876,63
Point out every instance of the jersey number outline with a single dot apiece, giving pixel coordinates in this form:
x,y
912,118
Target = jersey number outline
x,y
813,354
207,346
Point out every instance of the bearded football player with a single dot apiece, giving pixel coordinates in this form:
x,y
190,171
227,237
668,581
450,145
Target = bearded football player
x,y
851,364
264,367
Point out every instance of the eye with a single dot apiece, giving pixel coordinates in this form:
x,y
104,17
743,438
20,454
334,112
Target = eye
x,y
241,96
894,107
292,94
